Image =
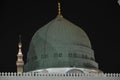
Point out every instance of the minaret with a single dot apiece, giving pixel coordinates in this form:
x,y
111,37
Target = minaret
x,y
20,62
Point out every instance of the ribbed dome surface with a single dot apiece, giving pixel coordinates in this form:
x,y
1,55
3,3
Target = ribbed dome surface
x,y
60,43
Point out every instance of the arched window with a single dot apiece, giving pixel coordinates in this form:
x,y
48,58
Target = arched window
x,y
60,54
44,56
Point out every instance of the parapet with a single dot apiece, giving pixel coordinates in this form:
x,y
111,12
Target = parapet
x,y
55,76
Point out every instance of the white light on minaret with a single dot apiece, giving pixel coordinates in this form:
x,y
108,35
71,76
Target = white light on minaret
x,y
20,62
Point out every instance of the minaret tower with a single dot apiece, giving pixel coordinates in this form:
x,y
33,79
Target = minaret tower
x,y
20,62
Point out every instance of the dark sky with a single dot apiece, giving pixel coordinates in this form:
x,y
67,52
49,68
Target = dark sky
x,y
100,19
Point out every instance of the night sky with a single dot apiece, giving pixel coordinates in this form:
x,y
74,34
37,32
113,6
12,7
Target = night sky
x,y
100,19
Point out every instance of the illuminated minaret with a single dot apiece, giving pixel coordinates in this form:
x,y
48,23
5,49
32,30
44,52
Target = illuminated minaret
x,y
20,62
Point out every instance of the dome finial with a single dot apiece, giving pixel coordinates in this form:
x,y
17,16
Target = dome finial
x,y
59,9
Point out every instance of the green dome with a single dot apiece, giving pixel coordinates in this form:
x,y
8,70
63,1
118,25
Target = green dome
x,y
60,43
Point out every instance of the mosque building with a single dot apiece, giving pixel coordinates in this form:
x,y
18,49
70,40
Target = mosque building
x,y
59,47
60,50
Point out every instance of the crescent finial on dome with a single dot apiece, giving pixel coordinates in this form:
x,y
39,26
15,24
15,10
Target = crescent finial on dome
x,y
59,9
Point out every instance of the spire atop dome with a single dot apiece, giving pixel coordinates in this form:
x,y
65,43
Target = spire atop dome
x,y
59,9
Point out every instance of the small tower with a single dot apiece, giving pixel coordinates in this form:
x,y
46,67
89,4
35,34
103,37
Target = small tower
x,y
20,62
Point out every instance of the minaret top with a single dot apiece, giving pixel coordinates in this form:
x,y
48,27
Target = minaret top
x,y
20,45
59,9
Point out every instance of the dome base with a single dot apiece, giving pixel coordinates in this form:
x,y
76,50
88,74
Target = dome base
x,y
67,70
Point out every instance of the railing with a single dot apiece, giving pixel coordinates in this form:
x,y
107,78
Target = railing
x,y
40,76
